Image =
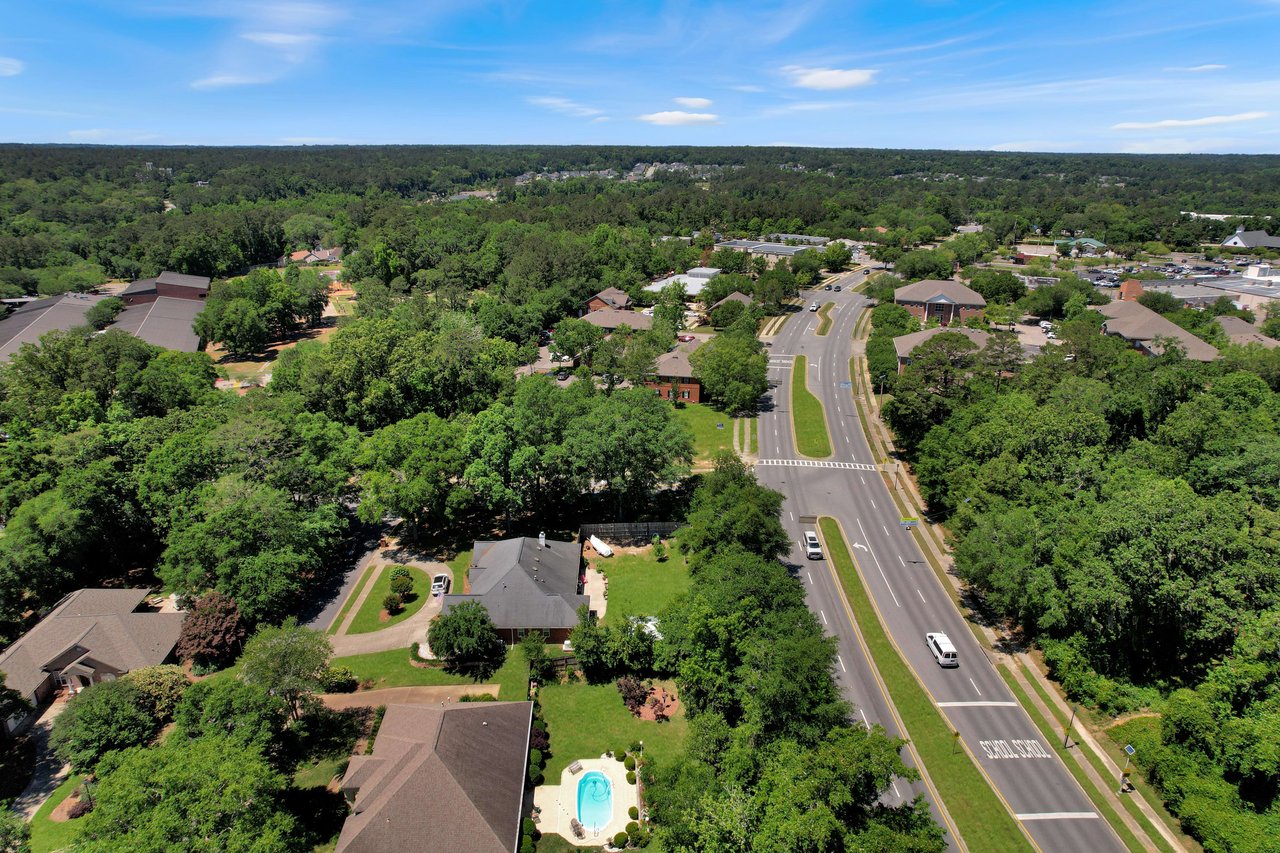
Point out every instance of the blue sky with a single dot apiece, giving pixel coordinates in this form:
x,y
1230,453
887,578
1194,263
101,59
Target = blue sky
x,y
1121,75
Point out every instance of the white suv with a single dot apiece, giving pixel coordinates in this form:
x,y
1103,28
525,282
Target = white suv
x,y
440,584
812,548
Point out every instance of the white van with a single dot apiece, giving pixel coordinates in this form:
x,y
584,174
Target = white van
x,y
943,652
812,548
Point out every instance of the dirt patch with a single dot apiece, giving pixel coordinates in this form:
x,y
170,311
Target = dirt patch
x,y
384,616
1124,718
62,812
661,704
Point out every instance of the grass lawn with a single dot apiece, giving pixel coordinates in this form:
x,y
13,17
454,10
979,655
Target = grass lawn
x,y
808,421
586,720
47,836
824,318
552,843
393,669
701,420
981,818
367,619
369,572
641,586
459,565
320,772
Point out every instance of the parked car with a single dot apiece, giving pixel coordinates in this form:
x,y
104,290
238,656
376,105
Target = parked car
x,y
813,306
562,375
684,339
440,584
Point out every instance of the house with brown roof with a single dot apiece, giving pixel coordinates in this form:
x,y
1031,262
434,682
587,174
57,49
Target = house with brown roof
x,y
311,256
673,375
949,303
439,780
610,319
172,285
1242,332
528,586
610,297
91,635
1130,290
1145,330
904,345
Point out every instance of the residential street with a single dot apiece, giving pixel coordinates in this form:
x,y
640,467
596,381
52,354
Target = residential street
x,y
911,600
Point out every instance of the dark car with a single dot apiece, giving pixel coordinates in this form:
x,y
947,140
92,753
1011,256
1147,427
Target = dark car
x,y
836,288
827,287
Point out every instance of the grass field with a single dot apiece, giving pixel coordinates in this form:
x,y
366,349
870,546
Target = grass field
x,y
641,586
701,420
586,720
47,836
459,566
981,818
367,620
393,669
807,418
369,572
824,318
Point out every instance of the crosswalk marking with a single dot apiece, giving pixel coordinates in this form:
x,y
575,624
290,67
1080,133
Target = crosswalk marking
x,y
818,463
1058,816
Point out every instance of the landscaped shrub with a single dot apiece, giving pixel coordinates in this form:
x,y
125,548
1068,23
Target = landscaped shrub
x,y
634,693
659,550
526,846
80,809
620,840
402,585
620,753
401,572
629,762
478,697
378,713
393,603
538,739
535,776
162,686
338,679
632,827
633,813
531,829
631,777
535,757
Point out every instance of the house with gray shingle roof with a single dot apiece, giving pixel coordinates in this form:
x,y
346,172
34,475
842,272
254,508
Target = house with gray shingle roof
x,y
1243,239
527,585
1145,330
91,635
440,779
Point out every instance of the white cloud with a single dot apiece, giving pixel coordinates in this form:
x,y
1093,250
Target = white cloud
x,y
1181,146
693,103
600,119
10,67
280,39
1188,122
223,81
828,78
747,88
565,106
1197,69
680,117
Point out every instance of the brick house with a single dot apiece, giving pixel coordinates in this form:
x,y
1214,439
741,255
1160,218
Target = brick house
x,y
168,284
528,586
610,297
610,319
672,369
950,303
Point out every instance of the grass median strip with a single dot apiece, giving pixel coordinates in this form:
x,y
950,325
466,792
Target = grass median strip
x,y
824,318
808,421
369,571
980,816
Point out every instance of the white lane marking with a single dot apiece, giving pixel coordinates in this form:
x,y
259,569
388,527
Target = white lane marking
x,y
864,718
863,479
810,576
793,517
922,601
976,704
900,560
860,545
1001,749
824,616
1057,816
895,788
842,669
878,567
873,504
971,681
885,529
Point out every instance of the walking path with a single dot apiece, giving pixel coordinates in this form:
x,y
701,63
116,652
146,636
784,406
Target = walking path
x,y
50,770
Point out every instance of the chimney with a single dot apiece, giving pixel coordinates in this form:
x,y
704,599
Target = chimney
x,y
542,540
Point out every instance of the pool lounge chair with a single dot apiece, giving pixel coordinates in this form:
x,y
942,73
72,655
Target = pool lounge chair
x,y
575,768
578,831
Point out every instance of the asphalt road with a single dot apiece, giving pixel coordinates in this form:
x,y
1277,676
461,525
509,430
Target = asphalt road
x,y
1025,770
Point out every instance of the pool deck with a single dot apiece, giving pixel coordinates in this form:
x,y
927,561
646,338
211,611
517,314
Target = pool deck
x,y
559,803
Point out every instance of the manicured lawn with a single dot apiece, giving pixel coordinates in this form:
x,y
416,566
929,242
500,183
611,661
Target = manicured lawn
x,y
367,619
552,843
369,572
701,420
981,819
393,669
586,720
824,318
318,773
808,421
641,586
460,565
47,836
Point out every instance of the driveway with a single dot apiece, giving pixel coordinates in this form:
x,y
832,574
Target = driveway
x,y
50,770
398,636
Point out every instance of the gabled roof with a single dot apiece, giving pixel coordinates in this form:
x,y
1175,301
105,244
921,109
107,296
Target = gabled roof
x,y
30,320
100,623
166,322
733,297
1255,239
440,779
523,585
173,279
612,318
1139,325
676,363
906,344
1241,331
614,297
933,290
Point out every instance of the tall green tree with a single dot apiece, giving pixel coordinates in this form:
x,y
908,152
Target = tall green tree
x,y
289,661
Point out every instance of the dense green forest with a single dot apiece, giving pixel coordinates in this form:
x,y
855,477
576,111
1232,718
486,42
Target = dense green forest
x,y
1122,511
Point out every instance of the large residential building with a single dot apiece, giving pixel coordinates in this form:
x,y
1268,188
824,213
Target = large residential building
x,y
610,319
440,780
1242,332
798,239
527,585
673,375
1146,330
693,280
91,635
1243,239
610,297
949,303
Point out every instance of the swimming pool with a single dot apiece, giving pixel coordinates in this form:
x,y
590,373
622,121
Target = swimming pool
x,y
595,801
